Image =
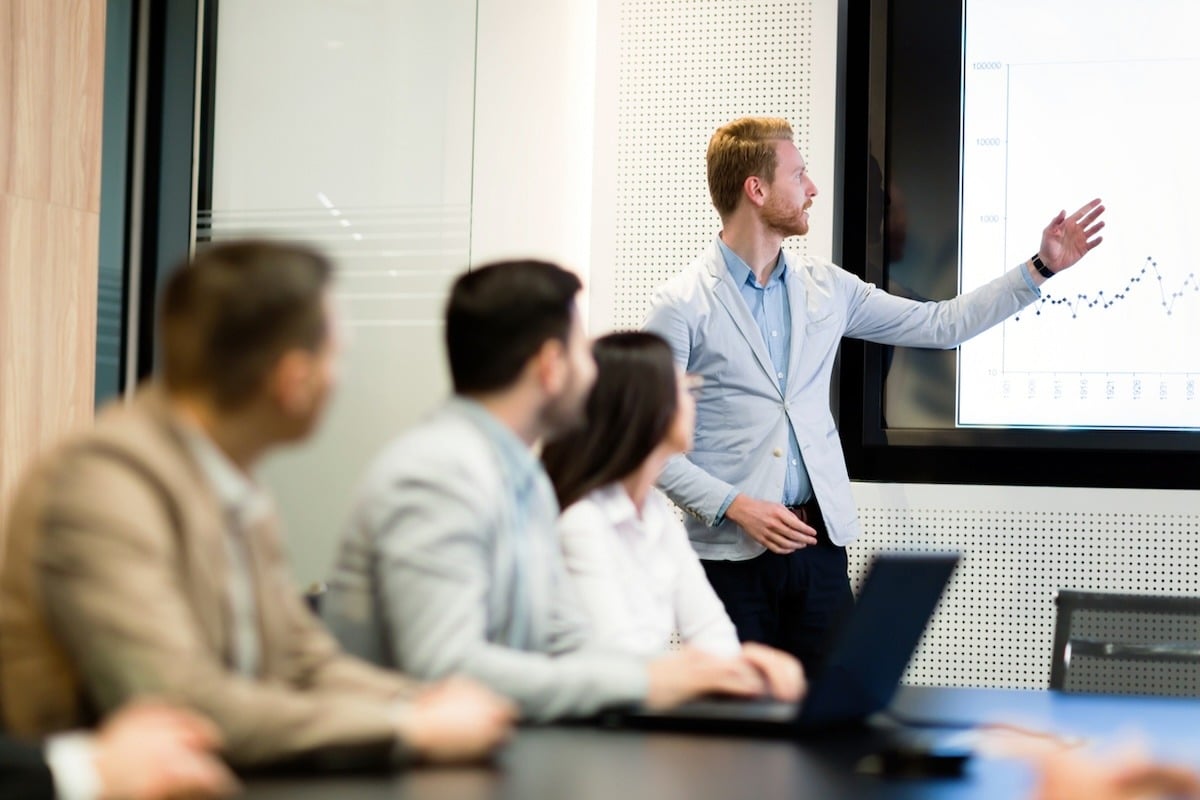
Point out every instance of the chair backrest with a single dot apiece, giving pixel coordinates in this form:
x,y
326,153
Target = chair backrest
x,y
1126,644
313,596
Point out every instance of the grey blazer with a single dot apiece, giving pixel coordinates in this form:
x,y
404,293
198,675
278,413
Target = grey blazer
x,y
742,416
436,553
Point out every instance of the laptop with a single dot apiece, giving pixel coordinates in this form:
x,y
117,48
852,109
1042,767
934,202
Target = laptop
x,y
870,651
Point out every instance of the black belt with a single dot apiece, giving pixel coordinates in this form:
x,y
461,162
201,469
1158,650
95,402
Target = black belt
x,y
810,514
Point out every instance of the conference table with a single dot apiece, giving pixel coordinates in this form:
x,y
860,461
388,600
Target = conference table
x,y
598,763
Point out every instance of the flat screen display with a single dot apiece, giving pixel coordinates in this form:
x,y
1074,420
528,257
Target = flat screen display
x,y
966,126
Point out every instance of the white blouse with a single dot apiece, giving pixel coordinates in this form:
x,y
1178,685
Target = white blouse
x,y
639,578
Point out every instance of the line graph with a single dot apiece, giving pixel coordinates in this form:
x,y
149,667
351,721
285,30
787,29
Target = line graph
x,y
1103,302
1137,321
1122,308
1052,121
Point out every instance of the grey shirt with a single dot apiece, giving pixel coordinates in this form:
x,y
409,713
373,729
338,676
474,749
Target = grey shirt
x,y
450,565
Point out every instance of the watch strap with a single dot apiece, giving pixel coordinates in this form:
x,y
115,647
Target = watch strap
x,y
1041,267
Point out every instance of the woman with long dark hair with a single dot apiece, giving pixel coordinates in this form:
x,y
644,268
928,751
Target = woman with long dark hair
x,y
626,551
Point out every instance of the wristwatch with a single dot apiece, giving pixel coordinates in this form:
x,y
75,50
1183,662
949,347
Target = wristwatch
x,y
1041,267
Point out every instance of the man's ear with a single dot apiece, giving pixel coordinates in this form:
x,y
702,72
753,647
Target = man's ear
x,y
755,189
291,381
550,366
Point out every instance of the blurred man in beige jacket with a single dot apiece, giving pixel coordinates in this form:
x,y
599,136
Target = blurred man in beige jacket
x,y
142,557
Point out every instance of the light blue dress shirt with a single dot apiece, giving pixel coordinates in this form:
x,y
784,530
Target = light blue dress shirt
x,y
522,472
772,311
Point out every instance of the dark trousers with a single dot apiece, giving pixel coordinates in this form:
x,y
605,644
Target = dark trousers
x,y
791,602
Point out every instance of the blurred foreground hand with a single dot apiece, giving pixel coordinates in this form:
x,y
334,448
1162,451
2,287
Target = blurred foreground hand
x,y
456,720
1075,775
150,751
782,672
689,673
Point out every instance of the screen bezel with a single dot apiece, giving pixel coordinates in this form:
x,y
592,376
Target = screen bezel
x,y
974,455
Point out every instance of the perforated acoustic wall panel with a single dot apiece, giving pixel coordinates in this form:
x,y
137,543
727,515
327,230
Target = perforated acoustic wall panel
x,y
685,67
995,625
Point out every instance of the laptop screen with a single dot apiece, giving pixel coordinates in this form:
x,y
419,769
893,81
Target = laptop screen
x,y
872,648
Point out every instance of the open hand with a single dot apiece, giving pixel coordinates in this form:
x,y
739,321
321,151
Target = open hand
x,y
1068,239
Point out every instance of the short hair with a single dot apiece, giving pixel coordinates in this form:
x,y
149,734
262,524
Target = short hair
x,y
499,316
628,413
229,316
738,150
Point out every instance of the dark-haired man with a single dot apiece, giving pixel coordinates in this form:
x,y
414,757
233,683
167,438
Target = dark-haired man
x,y
450,563
142,557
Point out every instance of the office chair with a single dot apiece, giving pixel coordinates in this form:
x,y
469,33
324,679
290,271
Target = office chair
x,y
1126,644
313,596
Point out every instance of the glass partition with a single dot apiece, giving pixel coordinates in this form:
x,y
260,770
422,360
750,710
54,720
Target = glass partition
x,y
347,124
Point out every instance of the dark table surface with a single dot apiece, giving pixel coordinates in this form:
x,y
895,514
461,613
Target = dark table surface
x,y
583,763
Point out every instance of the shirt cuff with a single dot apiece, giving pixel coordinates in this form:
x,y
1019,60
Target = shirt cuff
x,y
69,757
720,517
1029,280
402,753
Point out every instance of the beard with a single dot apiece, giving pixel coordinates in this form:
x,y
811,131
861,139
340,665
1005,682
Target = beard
x,y
786,219
567,412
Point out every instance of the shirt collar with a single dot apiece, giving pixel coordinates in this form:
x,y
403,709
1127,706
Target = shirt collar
x,y
741,272
520,465
236,492
618,508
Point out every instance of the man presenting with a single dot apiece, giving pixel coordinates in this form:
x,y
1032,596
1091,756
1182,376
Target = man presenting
x,y
765,487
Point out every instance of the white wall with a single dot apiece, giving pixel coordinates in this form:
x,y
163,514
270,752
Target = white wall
x,y
534,125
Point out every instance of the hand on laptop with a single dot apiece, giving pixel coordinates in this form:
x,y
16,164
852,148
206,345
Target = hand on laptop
x,y
781,671
456,720
689,673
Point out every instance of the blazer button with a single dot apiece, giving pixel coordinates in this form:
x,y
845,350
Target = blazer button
x,y
777,452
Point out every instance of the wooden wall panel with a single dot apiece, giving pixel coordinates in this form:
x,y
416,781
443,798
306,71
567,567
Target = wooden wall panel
x,y
51,85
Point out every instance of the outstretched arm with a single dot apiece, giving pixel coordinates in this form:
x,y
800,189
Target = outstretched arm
x,y
880,317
